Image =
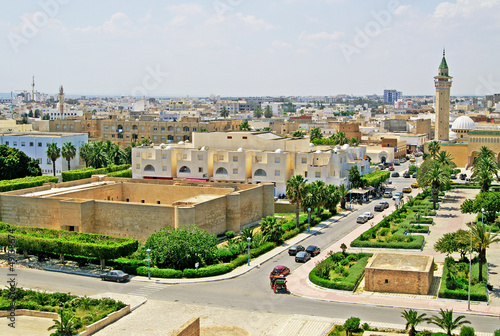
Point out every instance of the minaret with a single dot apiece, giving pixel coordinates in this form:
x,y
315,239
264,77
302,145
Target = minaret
x,y
61,101
443,85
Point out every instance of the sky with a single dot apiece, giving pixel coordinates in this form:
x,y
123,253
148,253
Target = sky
x,y
248,47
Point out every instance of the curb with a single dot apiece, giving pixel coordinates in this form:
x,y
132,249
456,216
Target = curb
x,y
71,272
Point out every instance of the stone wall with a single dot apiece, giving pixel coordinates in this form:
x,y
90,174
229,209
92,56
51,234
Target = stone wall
x,y
190,328
397,281
30,211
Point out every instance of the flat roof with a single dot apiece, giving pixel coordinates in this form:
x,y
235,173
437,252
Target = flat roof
x,y
401,262
44,134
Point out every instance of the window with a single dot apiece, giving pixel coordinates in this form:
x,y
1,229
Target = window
x,y
221,157
105,135
155,137
164,156
46,145
200,169
184,156
64,127
244,138
23,143
162,129
71,127
137,154
386,280
39,144
105,128
32,144
127,128
276,160
155,128
142,128
57,126
304,160
157,202
164,168
317,174
200,157
48,161
277,173
6,143
229,137
235,171
235,159
137,166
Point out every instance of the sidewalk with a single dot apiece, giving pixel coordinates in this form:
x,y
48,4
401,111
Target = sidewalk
x,y
453,219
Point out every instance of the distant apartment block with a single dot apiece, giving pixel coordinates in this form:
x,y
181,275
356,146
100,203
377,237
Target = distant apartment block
x,y
391,96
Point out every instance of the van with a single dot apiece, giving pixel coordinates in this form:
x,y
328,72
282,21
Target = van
x,y
396,162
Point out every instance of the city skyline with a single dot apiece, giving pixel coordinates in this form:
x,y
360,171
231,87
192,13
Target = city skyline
x,y
240,48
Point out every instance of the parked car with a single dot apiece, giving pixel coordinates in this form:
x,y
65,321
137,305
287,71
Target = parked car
x,y
414,175
412,159
389,181
313,250
368,215
462,176
395,174
388,194
453,176
391,168
396,162
402,160
302,256
407,189
381,206
361,219
294,249
398,194
279,270
406,175
414,185
118,276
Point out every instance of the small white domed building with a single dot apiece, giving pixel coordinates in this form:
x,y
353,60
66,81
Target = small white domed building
x,y
462,126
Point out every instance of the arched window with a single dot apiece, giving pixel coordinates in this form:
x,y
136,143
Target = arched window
x,y
149,168
184,169
185,129
170,137
170,129
221,171
260,172
135,128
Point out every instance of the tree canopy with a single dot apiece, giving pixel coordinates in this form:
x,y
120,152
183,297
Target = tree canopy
x,y
16,164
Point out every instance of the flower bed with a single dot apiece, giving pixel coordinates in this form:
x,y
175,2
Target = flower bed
x,y
340,270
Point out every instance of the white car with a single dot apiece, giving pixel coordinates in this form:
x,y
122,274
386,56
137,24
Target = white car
x,y
368,214
398,194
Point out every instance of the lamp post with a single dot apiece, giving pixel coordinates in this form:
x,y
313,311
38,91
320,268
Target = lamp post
x,y
470,259
309,220
149,264
249,239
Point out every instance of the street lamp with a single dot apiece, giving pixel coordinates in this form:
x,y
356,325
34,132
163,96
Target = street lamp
x,y
249,239
470,259
149,264
309,220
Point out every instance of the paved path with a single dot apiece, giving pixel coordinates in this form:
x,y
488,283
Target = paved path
x,y
449,219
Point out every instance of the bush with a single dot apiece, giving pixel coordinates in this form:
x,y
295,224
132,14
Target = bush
x,y
224,255
72,175
159,272
467,331
122,173
208,271
26,182
497,332
416,244
115,168
264,248
230,234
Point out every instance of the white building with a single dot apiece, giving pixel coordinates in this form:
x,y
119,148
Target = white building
x,y
35,144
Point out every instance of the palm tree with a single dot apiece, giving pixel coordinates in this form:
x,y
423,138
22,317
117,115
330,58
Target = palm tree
x,y
433,148
342,192
340,138
224,112
412,320
53,153
444,158
319,189
298,134
85,153
271,228
244,126
482,239
332,198
446,321
268,113
436,175
65,327
68,152
296,191
353,141
257,112
99,157
484,167
315,133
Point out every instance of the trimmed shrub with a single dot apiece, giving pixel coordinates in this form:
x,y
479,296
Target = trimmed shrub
x,y
72,175
467,331
208,271
115,168
26,182
159,272
121,173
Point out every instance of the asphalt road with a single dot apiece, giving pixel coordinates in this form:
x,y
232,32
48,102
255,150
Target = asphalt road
x,y
250,291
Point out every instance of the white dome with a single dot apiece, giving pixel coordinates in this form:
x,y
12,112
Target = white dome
x,y
346,147
203,149
240,149
452,135
279,150
180,143
168,147
335,150
311,145
318,152
463,123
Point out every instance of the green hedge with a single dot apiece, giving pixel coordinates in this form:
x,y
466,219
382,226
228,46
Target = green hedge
x,y
478,291
419,229
454,185
208,271
416,244
422,220
159,272
355,272
67,242
115,168
26,182
72,175
375,178
122,173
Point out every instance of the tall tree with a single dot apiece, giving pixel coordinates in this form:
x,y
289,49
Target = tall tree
x,y
444,158
482,238
484,167
298,134
224,112
53,153
99,157
257,112
332,198
86,153
296,191
268,112
68,152
446,322
272,228
16,164
433,148
342,192
413,320
340,138
353,142
355,177
433,174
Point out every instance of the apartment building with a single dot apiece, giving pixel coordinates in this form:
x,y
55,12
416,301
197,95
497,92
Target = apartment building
x,y
35,144
247,157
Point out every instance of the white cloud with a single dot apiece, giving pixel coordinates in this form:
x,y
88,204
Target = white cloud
x,y
119,23
321,36
281,44
463,8
186,9
254,23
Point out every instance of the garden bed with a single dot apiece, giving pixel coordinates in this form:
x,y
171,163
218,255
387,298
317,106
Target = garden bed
x,y
340,271
457,287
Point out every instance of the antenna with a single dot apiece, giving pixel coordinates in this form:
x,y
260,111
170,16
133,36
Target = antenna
x,y
33,89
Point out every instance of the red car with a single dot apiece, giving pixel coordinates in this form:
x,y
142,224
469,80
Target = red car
x,y
391,168
279,271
